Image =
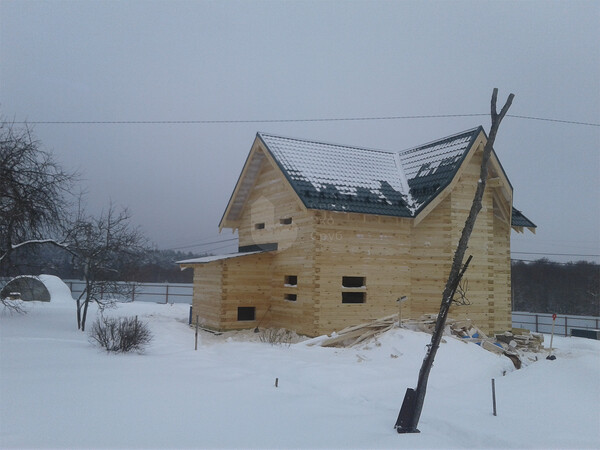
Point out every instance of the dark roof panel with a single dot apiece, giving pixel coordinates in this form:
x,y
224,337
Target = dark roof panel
x,y
341,178
519,220
351,179
429,168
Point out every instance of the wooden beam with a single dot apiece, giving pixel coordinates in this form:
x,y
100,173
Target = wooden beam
x,y
255,148
494,182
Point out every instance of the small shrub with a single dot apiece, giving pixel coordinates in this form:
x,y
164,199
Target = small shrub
x,y
120,334
275,336
10,307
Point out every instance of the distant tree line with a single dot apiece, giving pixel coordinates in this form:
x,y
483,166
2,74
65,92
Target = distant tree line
x,y
548,287
149,266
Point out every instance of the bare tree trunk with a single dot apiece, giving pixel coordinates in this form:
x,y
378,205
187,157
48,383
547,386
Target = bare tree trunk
x,y
79,313
85,308
86,302
408,419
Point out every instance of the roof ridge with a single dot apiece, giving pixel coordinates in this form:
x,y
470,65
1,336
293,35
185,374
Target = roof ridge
x,y
353,147
404,182
436,141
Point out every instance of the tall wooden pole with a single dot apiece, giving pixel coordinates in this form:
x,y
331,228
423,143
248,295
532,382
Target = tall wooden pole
x,y
409,415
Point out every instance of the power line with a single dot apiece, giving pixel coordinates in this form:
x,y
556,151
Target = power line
x,y
574,122
202,244
218,248
225,121
325,119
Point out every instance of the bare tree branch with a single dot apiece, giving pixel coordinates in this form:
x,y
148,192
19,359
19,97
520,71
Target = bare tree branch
x,y
104,245
33,195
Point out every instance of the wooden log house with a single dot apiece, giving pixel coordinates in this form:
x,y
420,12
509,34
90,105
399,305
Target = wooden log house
x,y
333,235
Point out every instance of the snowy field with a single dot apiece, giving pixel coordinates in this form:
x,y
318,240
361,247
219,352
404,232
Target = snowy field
x,y
57,390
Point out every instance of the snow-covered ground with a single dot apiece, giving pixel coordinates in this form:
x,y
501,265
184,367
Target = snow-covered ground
x,y
58,390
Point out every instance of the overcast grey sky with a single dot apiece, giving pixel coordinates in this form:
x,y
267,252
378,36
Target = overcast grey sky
x,y
195,60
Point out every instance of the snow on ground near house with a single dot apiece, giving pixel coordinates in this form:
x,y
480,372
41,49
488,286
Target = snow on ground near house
x,y
58,390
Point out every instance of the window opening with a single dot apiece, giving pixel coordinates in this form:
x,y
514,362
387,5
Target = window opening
x,y
354,297
291,280
260,226
246,313
286,221
353,282
291,297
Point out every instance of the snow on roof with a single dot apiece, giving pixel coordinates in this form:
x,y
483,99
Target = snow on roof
x,y
353,179
341,178
430,167
424,159
207,259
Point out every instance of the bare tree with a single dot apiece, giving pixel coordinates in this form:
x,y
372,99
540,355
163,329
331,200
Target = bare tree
x,y
409,415
102,247
33,193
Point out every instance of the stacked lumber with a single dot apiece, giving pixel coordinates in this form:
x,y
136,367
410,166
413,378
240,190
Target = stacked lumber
x,y
358,333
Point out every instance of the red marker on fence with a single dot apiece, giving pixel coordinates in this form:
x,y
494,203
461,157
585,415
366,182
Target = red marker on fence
x,y
551,356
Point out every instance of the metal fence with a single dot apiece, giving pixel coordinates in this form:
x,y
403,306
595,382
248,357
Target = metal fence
x,y
182,293
147,292
542,323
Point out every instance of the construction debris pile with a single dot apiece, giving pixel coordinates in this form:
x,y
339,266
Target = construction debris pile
x,y
518,345
356,334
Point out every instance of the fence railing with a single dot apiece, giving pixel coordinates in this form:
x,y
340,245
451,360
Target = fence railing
x,y
182,293
147,292
542,323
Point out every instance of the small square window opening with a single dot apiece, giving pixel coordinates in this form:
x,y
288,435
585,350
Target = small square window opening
x,y
353,282
291,297
259,226
354,297
246,313
291,280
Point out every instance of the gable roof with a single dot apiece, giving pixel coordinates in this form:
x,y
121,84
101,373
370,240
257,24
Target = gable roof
x,y
429,168
341,178
360,180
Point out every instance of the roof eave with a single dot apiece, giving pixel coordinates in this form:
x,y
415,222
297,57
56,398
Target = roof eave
x,y
282,170
225,221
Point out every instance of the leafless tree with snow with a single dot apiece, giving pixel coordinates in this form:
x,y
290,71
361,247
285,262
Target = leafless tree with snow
x,y
33,195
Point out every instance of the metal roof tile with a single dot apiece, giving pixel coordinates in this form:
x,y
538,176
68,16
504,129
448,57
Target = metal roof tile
x,y
364,180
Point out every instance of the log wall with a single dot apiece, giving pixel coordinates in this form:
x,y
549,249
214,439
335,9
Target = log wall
x,y
395,256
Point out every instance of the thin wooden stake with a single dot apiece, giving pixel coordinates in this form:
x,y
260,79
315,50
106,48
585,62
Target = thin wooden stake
x,y
196,346
494,395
